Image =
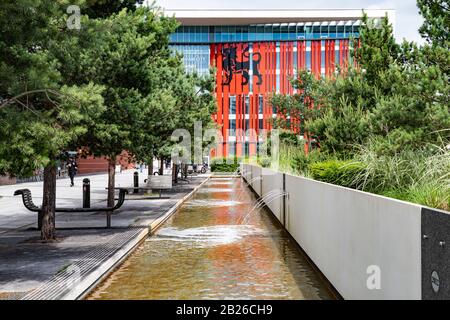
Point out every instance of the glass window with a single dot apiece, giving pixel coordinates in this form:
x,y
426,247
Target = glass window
x,y
244,33
232,33
268,35
284,32
260,33
292,32
276,33
295,62
308,32
324,31
337,52
300,32
332,30
252,33
308,55
316,32
322,58
232,125
247,105
340,31
232,105
260,105
231,148
261,124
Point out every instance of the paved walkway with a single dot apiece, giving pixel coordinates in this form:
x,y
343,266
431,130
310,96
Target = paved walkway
x,y
83,242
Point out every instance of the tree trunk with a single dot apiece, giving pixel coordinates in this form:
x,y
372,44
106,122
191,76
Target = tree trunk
x,y
48,204
161,167
150,169
111,180
174,173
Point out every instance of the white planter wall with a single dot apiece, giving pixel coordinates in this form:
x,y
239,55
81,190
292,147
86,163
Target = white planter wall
x,y
256,179
345,231
272,182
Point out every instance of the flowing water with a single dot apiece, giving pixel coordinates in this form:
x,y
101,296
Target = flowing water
x,y
203,252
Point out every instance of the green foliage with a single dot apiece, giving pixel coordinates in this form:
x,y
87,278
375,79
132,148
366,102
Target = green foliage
x,y
436,27
338,130
337,171
301,161
230,164
41,114
386,114
105,8
264,162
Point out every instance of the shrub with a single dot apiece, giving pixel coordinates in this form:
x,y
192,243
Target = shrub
x,y
302,161
225,164
264,162
337,172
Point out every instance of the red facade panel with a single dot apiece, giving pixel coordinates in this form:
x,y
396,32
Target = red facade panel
x,y
234,63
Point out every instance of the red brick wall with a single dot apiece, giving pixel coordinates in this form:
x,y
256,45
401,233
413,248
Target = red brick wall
x,y
7,181
100,164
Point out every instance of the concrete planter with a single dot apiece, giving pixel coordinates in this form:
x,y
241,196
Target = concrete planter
x,y
368,246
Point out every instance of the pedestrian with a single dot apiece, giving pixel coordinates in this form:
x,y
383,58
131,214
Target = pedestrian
x,y
72,167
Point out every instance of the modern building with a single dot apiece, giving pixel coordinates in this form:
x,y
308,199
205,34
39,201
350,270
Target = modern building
x,y
256,52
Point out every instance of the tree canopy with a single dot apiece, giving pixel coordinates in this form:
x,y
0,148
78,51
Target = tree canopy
x,y
110,86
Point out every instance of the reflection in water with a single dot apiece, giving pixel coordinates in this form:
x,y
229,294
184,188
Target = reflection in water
x,y
203,253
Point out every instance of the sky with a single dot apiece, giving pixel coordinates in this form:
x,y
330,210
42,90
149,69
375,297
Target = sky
x,y
407,13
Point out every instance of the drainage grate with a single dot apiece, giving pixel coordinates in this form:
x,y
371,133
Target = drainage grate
x,y
61,284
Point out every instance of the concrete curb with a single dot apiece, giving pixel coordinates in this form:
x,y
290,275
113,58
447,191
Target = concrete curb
x,y
104,270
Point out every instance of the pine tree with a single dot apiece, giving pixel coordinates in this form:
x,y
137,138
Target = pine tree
x,y
40,115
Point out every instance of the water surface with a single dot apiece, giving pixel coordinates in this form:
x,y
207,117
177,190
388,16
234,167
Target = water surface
x,y
202,252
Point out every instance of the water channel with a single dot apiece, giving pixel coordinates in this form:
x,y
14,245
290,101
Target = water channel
x,y
204,252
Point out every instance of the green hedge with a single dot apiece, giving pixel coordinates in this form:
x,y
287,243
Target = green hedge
x,y
344,173
225,164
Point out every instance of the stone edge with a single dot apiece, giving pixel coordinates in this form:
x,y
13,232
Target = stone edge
x,y
106,268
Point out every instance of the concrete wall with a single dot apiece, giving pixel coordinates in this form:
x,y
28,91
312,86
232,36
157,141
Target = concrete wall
x,y
272,188
345,232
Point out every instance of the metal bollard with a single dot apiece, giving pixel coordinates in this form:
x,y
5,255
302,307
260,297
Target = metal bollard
x,y
136,182
86,193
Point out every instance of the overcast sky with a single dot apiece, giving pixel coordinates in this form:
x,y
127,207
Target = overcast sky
x,y
407,14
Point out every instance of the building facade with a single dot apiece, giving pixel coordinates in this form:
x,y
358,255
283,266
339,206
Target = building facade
x,y
256,53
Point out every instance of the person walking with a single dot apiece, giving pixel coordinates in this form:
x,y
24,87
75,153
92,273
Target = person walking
x,y
72,167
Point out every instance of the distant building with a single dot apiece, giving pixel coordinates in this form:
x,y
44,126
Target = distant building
x,y
256,52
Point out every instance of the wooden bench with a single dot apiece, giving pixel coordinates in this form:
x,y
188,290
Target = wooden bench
x,y
29,204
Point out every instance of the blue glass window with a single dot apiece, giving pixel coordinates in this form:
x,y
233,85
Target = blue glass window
x,y
232,126
232,105
300,32
231,148
308,55
284,32
260,104
266,32
276,32
247,105
252,33
322,59
292,32
337,53
260,33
